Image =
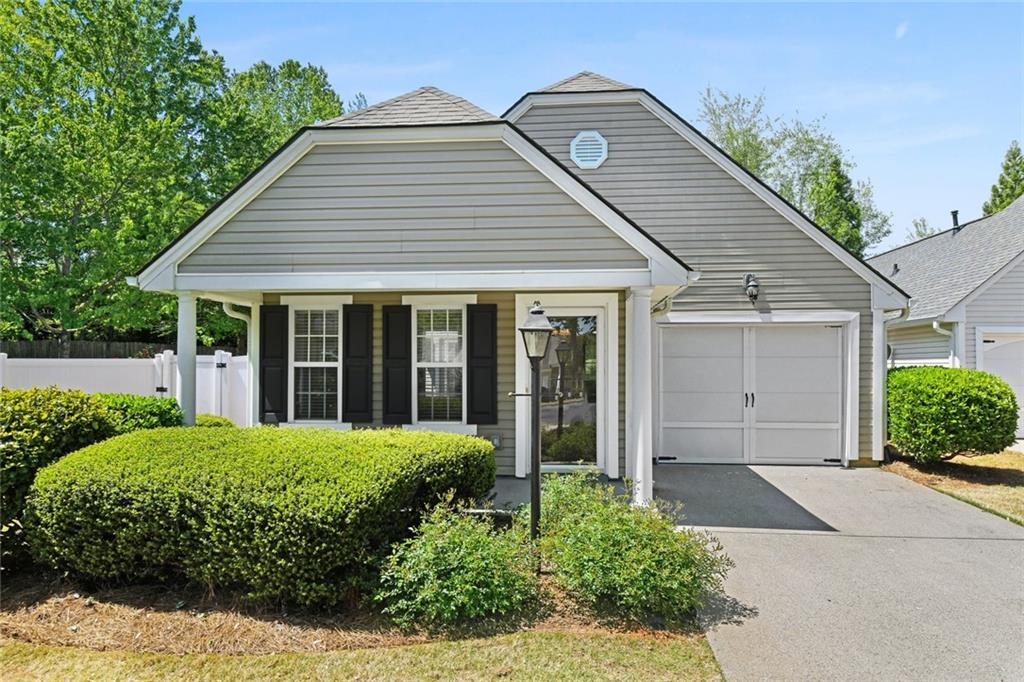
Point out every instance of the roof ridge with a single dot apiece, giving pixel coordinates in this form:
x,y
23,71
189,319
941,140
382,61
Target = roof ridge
x,y
604,81
373,107
957,228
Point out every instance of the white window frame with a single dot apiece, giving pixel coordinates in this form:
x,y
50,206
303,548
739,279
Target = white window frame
x,y
303,303
439,302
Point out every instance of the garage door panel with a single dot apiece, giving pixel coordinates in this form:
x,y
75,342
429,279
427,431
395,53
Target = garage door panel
x,y
806,375
701,407
1004,357
702,375
699,342
816,408
797,341
795,446
700,444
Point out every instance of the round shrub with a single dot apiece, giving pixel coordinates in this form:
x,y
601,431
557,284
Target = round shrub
x,y
302,515
578,443
939,412
630,561
458,569
213,421
39,426
136,412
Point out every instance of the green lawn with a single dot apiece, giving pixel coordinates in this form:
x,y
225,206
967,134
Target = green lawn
x,y
536,655
994,483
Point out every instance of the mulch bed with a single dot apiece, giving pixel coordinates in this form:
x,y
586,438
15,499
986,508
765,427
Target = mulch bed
x,y
185,619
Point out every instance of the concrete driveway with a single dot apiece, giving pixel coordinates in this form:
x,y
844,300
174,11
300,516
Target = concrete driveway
x,y
855,575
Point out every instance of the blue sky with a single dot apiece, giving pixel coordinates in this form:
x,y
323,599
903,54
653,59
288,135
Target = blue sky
x,y
925,97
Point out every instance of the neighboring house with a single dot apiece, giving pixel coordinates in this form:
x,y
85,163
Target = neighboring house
x,y
967,309
388,256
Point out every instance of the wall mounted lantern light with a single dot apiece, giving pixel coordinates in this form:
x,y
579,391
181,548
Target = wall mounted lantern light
x,y
751,286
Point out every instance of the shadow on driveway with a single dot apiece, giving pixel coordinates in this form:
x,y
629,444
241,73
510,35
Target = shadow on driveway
x,y
731,496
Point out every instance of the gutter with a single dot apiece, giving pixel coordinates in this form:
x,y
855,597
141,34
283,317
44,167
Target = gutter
x,y
937,326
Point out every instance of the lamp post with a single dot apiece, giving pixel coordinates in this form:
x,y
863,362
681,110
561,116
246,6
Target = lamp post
x,y
562,350
536,330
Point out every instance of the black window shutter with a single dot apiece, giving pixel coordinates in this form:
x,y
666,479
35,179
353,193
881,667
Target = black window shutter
x,y
274,362
397,364
357,364
482,364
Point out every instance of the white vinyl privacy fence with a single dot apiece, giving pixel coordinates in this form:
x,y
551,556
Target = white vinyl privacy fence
x,y
222,380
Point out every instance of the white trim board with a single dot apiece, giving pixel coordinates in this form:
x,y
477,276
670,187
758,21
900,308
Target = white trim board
x,y
889,291
559,303
999,330
161,274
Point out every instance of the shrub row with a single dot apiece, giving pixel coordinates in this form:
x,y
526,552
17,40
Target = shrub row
x,y
302,515
136,412
937,412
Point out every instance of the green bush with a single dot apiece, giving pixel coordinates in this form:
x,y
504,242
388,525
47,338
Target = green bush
x,y
39,426
214,421
938,412
622,559
458,569
578,443
302,515
136,412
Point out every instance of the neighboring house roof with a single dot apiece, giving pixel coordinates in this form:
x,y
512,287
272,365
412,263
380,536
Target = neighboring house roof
x,y
586,81
941,270
424,106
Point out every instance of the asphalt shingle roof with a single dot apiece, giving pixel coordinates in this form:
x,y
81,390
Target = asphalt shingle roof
x,y
940,270
424,106
586,81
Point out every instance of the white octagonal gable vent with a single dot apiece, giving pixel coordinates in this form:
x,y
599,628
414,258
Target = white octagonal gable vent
x,y
588,149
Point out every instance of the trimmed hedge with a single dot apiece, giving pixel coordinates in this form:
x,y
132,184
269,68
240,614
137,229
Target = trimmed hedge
x,y
939,412
458,569
136,412
39,426
577,444
302,515
633,562
213,421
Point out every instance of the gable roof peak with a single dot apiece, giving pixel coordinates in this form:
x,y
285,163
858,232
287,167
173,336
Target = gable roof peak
x,y
427,105
587,81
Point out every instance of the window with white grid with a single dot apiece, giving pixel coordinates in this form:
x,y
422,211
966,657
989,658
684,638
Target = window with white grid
x,y
439,363
315,363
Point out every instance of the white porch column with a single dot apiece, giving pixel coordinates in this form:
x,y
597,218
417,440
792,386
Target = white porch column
x,y
639,420
187,356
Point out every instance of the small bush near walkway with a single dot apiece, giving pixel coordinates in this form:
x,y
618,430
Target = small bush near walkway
x,y
299,515
456,570
938,412
213,421
629,561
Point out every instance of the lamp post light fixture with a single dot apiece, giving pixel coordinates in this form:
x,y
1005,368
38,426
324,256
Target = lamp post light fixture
x,y
536,330
564,351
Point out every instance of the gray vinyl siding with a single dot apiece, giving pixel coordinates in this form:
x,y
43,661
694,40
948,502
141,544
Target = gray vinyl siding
x,y
411,207
508,337
1002,304
710,220
918,345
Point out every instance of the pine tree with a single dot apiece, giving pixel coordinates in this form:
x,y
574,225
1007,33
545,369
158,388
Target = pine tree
x,y
1010,184
834,206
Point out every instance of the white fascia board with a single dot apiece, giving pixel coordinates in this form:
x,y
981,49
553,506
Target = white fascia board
x,y
664,268
413,281
728,165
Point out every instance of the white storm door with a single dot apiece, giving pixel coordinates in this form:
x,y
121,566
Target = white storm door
x,y
1003,355
701,386
796,394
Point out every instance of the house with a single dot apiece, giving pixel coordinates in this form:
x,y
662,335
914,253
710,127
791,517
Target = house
x,y
967,309
388,256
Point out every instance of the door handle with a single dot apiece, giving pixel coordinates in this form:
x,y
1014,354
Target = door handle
x,y
753,397
746,400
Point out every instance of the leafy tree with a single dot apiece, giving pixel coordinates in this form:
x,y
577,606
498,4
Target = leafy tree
x,y
919,230
357,103
259,109
1010,184
792,156
102,104
834,206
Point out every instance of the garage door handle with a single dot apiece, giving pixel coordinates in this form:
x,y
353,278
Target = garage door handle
x,y
746,400
753,397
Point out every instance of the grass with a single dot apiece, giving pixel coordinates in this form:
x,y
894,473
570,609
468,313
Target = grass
x,y
994,483
534,655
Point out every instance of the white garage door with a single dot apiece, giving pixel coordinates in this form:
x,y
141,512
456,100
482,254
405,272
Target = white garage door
x,y
1003,355
758,395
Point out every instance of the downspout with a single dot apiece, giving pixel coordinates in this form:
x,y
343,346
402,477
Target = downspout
x,y
230,311
936,325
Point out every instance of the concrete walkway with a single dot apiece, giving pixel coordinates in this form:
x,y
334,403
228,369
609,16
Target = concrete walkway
x,y
855,575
